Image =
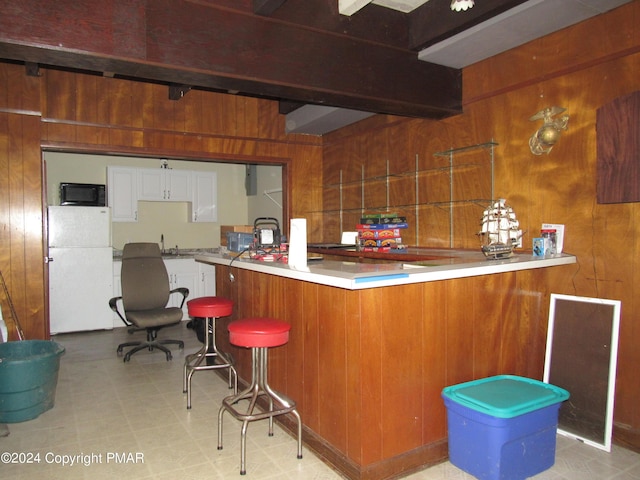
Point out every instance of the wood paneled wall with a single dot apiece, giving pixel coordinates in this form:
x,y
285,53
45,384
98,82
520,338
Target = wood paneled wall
x,y
21,252
380,357
579,68
89,113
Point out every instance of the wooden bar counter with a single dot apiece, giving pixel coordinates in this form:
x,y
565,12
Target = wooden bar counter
x,y
372,345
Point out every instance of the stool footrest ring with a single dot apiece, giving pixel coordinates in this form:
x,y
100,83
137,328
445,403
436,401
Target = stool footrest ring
x,y
193,362
278,404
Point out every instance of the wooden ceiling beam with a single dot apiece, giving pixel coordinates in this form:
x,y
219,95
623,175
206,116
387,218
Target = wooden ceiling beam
x,y
205,45
428,24
266,7
374,24
434,21
286,106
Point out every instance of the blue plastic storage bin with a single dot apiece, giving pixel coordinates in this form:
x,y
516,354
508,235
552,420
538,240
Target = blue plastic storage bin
x,y
503,427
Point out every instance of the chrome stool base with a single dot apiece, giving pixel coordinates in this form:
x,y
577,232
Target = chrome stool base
x,y
278,405
193,362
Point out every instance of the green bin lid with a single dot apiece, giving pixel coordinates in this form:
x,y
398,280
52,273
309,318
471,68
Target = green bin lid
x,y
505,396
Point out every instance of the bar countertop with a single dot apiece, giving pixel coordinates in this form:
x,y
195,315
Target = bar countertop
x,y
439,264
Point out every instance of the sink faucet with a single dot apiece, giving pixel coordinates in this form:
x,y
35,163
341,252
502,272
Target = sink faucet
x,y
162,242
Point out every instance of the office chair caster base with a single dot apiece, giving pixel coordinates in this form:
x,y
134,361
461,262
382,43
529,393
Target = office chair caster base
x,y
150,345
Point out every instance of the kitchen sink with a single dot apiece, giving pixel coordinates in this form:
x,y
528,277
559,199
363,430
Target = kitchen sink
x,y
173,253
187,252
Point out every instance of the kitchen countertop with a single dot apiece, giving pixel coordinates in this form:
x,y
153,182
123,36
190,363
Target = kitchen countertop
x,y
175,253
443,264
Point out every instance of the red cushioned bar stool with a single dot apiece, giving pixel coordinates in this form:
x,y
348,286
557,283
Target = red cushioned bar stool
x,y
258,334
208,308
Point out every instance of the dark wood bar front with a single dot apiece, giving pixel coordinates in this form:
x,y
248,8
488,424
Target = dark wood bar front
x,y
367,367
410,255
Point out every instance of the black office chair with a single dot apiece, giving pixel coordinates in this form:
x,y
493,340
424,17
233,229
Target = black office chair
x,y
145,294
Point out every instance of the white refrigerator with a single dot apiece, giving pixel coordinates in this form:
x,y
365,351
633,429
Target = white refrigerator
x,y
80,269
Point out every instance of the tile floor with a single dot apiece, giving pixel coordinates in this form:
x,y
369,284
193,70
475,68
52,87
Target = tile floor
x,y
130,421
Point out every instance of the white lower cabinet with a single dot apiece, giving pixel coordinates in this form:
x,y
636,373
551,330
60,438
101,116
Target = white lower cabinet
x,y
207,276
183,272
117,290
199,278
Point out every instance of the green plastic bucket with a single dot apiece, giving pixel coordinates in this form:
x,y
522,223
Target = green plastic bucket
x,y
28,378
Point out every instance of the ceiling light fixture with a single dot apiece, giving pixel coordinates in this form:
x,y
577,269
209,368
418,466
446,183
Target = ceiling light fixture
x,y
459,5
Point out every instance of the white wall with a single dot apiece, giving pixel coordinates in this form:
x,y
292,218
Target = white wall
x,y
168,218
263,205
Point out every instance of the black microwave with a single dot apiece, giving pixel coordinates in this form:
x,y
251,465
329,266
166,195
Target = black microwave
x,y
82,194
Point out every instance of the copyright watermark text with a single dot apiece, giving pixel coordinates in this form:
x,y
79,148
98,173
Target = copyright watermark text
x,y
70,460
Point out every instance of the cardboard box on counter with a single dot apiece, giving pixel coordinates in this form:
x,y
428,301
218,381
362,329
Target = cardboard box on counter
x,y
381,234
380,226
384,219
387,242
233,228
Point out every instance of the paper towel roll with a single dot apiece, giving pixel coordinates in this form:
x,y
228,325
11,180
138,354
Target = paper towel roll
x,y
349,238
298,244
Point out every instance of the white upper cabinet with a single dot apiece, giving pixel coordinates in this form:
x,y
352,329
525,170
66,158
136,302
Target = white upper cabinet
x,y
179,185
127,185
204,202
163,184
150,184
122,194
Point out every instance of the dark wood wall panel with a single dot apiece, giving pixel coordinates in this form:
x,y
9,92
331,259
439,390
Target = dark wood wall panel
x,y
618,127
580,68
21,251
601,38
310,321
98,114
500,95
19,93
381,357
332,383
21,248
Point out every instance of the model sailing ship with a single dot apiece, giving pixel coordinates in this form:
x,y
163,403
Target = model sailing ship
x,y
500,232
